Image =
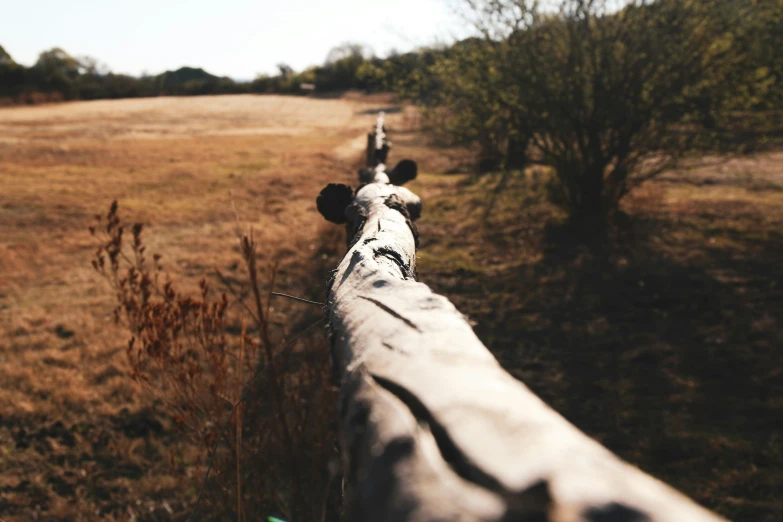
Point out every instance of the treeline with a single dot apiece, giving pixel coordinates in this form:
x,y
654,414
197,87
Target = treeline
x,y
57,76
351,66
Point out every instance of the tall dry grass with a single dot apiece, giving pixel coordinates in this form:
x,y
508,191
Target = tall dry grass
x,y
253,407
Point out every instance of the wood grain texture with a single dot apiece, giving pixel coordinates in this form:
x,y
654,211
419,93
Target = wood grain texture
x,y
432,428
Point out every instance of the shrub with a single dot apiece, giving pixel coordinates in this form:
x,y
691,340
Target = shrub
x,y
196,354
607,97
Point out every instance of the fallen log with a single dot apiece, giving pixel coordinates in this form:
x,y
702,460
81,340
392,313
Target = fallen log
x,y
431,427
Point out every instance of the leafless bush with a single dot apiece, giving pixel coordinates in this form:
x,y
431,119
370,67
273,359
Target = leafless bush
x,y
196,354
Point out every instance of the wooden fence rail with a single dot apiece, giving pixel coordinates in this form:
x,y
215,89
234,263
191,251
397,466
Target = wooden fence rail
x,y
432,428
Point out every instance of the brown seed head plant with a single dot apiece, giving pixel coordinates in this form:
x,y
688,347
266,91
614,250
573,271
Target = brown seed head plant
x,y
197,354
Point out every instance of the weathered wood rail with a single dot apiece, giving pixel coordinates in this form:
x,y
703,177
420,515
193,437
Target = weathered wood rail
x,y
432,428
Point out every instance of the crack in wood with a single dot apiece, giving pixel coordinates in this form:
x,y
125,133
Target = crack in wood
x,y
532,504
450,453
394,202
391,312
356,257
394,349
396,258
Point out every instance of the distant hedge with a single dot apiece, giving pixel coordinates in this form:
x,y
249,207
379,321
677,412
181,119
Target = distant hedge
x,y
57,75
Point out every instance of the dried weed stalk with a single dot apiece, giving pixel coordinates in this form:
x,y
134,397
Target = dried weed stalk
x,y
186,351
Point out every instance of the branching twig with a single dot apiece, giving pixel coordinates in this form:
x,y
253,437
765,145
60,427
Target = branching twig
x,y
231,413
249,252
278,294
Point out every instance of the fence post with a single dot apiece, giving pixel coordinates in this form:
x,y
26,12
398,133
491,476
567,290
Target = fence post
x,y
431,427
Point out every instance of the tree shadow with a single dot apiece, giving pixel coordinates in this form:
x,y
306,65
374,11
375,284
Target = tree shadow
x,y
672,363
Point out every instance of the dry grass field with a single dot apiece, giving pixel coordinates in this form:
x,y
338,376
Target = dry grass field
x,y
663,341
78,440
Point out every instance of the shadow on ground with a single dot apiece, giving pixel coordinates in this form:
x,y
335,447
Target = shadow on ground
x,y
658,341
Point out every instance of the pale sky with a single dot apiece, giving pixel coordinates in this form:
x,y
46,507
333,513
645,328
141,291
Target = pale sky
x,y
236,38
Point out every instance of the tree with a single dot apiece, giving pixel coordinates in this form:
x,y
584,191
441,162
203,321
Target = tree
x,y
603,96
341,68
471,91
5,58
12,75
347,50
756,28
286,71
91,66
55,71
57,62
